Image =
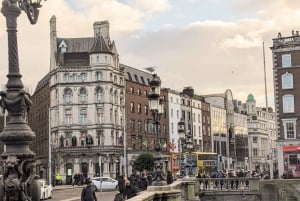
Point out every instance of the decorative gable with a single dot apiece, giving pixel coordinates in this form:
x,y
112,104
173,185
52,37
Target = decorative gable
x,y
62,47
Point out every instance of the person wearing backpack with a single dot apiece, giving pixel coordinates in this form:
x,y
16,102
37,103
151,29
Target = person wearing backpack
x,y
88,192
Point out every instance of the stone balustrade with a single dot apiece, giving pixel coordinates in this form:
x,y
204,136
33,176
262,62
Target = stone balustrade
x,y
229,189
177,191
227,184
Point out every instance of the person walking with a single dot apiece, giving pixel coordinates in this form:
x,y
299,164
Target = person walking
x,y
142,183
129,190
88,192
121,185
169,178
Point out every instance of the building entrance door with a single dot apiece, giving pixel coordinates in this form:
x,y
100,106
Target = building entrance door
x,y
85,170
69,173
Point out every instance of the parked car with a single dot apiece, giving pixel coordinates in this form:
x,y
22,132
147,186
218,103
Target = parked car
x,y
105,183
46,189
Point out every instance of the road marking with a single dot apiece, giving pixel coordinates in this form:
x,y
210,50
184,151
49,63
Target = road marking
x,y
71,199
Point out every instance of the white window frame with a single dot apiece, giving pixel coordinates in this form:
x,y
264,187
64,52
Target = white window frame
x,y
285,123
99,75
68,96
99,94
286,60
100,115
287,81
68,116
82,95
288,105
83,115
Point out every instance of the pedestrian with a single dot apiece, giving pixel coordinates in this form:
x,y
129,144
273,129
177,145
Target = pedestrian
x,y
129,190
142,183
88,192
121,185
169,178
149,179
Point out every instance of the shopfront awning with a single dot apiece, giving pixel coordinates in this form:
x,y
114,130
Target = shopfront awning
x,y
291,148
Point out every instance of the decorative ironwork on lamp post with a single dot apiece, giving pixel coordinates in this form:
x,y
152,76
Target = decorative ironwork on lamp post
x,y
189,147
156,107
181,133
19,180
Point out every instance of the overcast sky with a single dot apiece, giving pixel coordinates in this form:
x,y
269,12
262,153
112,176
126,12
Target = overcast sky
x,y
211,45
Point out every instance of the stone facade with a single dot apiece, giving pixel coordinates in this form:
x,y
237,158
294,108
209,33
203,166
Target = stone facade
x,y
87,97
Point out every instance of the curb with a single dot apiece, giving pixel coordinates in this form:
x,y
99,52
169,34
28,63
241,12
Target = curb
x,y
56,188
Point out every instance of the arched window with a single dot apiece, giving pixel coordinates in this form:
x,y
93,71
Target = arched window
x,y
89,140
99,94
82,95
61,141
287,81
99,76
74,141
111,76
288,103
121,98
68,95
111,95
115,79
116,97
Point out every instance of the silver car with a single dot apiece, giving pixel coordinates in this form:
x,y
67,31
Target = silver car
x,y
105,183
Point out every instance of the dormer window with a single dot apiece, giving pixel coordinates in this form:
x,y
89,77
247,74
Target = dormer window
x,y
63,47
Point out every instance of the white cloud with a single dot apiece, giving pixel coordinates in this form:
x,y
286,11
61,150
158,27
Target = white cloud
x,y
153,6
210,55
239,41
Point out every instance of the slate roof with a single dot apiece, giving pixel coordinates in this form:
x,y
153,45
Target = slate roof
x,y
135,75
77,44
100,46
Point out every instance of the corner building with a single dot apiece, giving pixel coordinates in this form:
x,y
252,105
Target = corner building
x,y
286,71
87,100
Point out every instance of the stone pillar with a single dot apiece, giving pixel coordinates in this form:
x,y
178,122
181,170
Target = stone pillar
x,y
76,166
191,190
106,172
280,158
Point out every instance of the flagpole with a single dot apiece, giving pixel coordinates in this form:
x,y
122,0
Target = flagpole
x,y
270,152
124,145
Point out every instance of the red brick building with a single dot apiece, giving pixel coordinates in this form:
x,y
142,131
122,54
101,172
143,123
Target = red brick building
x,y
286,62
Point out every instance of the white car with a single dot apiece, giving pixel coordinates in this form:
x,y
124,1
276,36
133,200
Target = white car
x,y
46,189
105,183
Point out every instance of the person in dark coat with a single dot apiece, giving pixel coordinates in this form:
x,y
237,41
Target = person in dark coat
x,y
88,192
169,178
129,190
121,185
142,183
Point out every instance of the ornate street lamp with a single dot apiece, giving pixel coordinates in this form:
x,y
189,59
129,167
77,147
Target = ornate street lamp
x,y
19,181
181,133
189,147
156,107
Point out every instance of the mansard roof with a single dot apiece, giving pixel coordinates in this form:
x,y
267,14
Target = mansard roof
x,y
42,83
77,44
135,75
